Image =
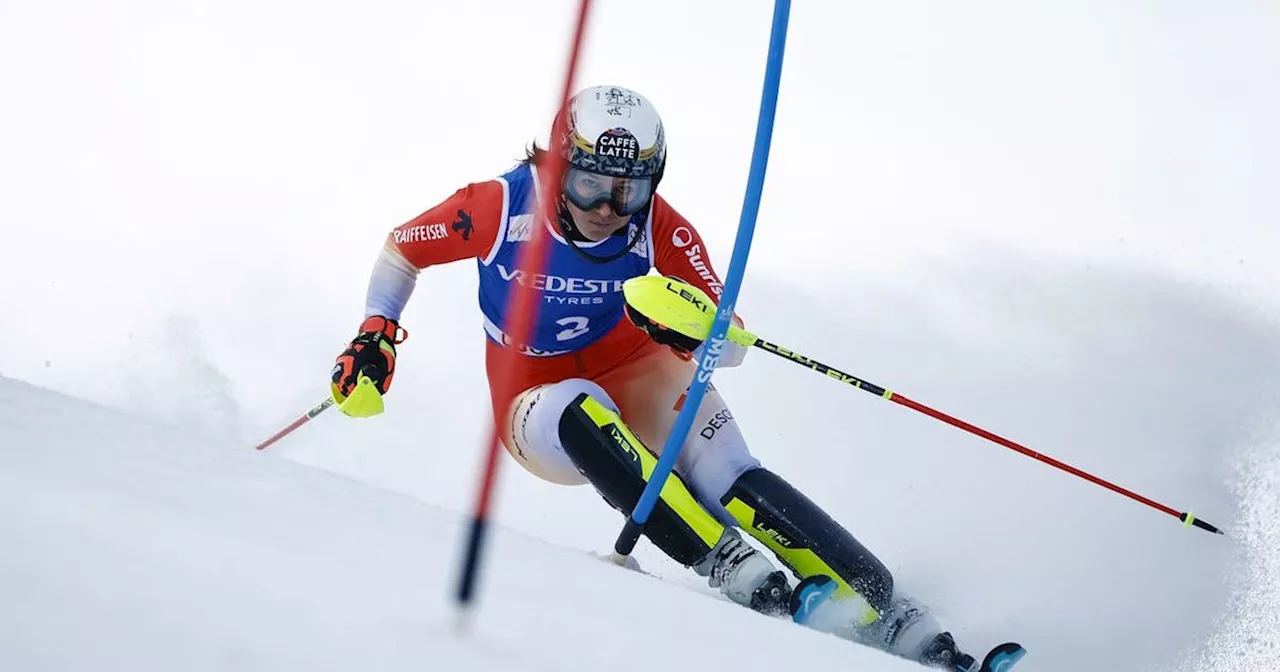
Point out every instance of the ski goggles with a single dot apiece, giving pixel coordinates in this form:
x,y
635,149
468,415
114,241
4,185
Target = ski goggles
x,y
588,191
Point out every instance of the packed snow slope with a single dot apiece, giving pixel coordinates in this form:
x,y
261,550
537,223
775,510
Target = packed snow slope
x,y
131,546
146,544
1164,386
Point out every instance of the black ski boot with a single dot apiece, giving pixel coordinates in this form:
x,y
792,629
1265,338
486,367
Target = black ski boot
x,y
942,653
773,597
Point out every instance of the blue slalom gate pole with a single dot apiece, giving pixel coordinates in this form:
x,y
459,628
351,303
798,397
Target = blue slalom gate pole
x,y
733,280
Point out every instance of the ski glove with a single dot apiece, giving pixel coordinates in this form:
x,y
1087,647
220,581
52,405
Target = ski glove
x,y
681,344
686,347
372,353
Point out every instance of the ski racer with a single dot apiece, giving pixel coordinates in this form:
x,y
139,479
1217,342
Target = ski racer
x,y
601,385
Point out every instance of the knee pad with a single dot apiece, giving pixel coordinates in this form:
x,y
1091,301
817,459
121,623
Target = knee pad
x,y
533,432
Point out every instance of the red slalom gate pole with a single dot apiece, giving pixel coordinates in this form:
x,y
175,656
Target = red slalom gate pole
x,y
531,260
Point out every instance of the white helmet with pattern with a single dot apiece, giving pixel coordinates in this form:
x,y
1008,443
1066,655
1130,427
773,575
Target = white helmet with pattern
x,y
615,147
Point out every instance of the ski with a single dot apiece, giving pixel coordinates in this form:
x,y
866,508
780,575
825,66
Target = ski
x,y
812,596
1002,658
815,592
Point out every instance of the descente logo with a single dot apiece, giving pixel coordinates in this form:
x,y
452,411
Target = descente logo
x,y
558,284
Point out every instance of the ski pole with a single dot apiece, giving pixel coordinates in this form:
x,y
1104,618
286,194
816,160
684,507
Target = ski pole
x,y
364,401
302,420
688,310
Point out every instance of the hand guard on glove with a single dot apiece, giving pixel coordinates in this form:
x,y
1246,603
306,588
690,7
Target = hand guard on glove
x,y
686,347
372,353
681,344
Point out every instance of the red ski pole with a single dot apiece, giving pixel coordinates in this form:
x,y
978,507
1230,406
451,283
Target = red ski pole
x,y
688,310
1185,516
304,419
363,402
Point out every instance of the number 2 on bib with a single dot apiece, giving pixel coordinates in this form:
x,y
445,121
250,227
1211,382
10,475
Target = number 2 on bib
x,y
577,326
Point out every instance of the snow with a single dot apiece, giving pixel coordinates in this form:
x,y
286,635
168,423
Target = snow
x,y
132,546
147,541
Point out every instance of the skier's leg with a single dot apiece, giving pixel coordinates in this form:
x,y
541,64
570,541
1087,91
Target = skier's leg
x,y
572,427
865,605
720,470
714,459
807,540
651,391
733,484
532,435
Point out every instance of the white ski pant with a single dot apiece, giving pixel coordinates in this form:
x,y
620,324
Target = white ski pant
x,y
651,393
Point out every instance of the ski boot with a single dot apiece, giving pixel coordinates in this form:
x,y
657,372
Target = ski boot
x,y
745,576
942,653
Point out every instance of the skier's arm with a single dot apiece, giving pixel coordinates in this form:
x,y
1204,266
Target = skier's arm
x,y
679,252
464,226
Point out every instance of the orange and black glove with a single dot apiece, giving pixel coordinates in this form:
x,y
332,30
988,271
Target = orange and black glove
x,y
682,345
687,347
372,353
